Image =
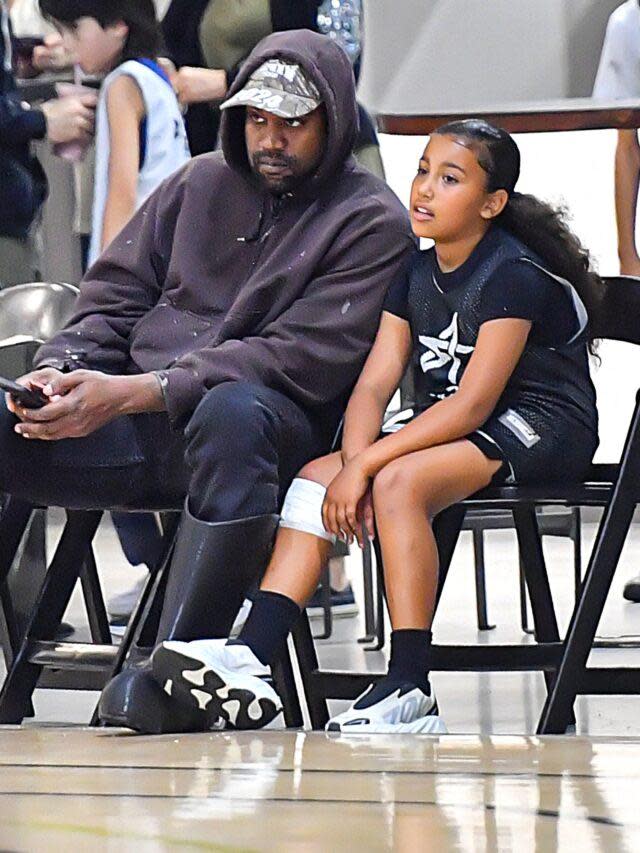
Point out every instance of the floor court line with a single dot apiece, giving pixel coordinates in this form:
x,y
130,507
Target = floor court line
x,y
437,804
463,774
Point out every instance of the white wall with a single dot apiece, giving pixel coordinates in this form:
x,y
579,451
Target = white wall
x,y
445,55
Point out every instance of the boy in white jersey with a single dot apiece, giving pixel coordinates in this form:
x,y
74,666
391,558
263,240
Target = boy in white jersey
x,y
140,140
140,134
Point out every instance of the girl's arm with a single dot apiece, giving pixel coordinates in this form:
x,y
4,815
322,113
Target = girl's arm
x,y
125,111
380,377
498,350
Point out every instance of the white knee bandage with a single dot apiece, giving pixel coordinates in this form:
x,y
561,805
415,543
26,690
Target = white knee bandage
x,y
302,509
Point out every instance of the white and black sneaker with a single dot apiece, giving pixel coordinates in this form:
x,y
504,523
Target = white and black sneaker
x,y
223,680
391,707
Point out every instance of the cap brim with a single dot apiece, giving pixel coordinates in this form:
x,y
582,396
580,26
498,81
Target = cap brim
x,y
274,101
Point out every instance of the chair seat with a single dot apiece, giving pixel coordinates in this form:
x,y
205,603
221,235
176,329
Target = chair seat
x,y
552,494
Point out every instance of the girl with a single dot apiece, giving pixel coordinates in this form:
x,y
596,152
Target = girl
x,y
140,134
493,321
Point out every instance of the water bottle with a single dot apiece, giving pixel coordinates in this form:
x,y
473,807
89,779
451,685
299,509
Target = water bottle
x,y
341,21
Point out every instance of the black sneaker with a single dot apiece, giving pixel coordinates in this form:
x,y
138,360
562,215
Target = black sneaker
x,y
343,604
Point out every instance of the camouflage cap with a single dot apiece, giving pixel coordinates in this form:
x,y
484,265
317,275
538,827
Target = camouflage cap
x,y
279,87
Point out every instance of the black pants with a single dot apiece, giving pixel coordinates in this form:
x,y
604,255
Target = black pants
x,y
240,450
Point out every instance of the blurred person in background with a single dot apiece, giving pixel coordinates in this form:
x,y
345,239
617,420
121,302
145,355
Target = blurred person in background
x,y
140,141
209,40
23,184
618,79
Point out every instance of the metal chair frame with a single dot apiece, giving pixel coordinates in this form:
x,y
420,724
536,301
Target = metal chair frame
x,y
564,663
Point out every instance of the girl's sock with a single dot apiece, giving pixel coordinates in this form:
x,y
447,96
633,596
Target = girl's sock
x,y
410,655
408,664
272,617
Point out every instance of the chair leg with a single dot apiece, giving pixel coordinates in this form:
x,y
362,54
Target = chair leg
x,y
481,587
308,663
537,580
14,519
379,633
285,685
612,534
524,612
325,596
577,551
446,529
94,601
367,579
53,598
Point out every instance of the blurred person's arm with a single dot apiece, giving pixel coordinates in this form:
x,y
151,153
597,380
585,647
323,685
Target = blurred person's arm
x,y
125,110
627,180
52,55
200,85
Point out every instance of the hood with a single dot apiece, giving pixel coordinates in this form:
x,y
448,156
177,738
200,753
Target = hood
x,y
330,69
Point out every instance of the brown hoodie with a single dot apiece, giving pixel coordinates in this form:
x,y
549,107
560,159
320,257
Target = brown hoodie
x,y
216,280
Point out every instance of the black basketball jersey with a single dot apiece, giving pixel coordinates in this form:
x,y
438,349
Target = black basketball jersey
x,y
550,382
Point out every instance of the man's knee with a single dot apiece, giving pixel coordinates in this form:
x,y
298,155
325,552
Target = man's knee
x,y
227,412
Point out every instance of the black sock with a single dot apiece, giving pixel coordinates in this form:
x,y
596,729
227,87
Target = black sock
x,y
271,618
408,664
409,660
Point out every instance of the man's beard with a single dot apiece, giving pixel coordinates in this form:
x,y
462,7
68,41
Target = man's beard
x,y
274,182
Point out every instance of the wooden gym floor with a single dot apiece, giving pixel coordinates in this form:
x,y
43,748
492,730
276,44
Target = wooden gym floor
x,y
81,789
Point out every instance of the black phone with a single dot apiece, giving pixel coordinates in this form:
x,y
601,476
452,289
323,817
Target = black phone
x,y
30,399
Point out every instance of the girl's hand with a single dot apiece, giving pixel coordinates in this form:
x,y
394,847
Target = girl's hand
x,y
340,507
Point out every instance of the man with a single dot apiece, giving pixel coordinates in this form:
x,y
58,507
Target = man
x,y
618,78
216,341
22,181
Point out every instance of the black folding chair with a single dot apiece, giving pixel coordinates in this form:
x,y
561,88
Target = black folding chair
x,y
614,487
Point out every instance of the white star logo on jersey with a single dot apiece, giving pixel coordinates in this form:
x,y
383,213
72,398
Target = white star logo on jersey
x,y
444,349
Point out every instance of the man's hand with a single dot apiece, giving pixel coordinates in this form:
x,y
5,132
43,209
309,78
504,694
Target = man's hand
x,y
36,381
199,85
83,401
70,119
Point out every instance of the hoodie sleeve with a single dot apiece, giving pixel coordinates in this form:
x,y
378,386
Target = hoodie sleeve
x,y
120,288
314,351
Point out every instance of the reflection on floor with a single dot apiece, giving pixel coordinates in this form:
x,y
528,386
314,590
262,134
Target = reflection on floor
x,y
495,703
276,791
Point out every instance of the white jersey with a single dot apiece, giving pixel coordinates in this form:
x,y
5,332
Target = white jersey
x,y
618,75
165,145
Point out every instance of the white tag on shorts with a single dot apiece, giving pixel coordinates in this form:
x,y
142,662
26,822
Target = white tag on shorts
x,y
519,427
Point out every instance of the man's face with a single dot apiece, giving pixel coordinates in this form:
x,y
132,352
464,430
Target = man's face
x,y
284,151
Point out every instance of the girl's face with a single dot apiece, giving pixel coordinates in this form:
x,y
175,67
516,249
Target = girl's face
x,y
97,49
449,198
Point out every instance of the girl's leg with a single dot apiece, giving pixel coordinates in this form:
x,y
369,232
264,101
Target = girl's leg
x,y
407,494
298,558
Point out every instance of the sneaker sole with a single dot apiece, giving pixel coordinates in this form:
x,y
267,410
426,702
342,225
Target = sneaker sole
x,y
430,723
218,693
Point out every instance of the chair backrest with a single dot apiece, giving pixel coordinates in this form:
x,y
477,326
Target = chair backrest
x,y
34,311
619,315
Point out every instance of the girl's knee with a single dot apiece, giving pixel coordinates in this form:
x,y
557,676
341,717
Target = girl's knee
x,y
321,470
394,484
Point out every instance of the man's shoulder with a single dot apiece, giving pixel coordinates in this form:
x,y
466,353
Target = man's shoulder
x,y
362,189
204,165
